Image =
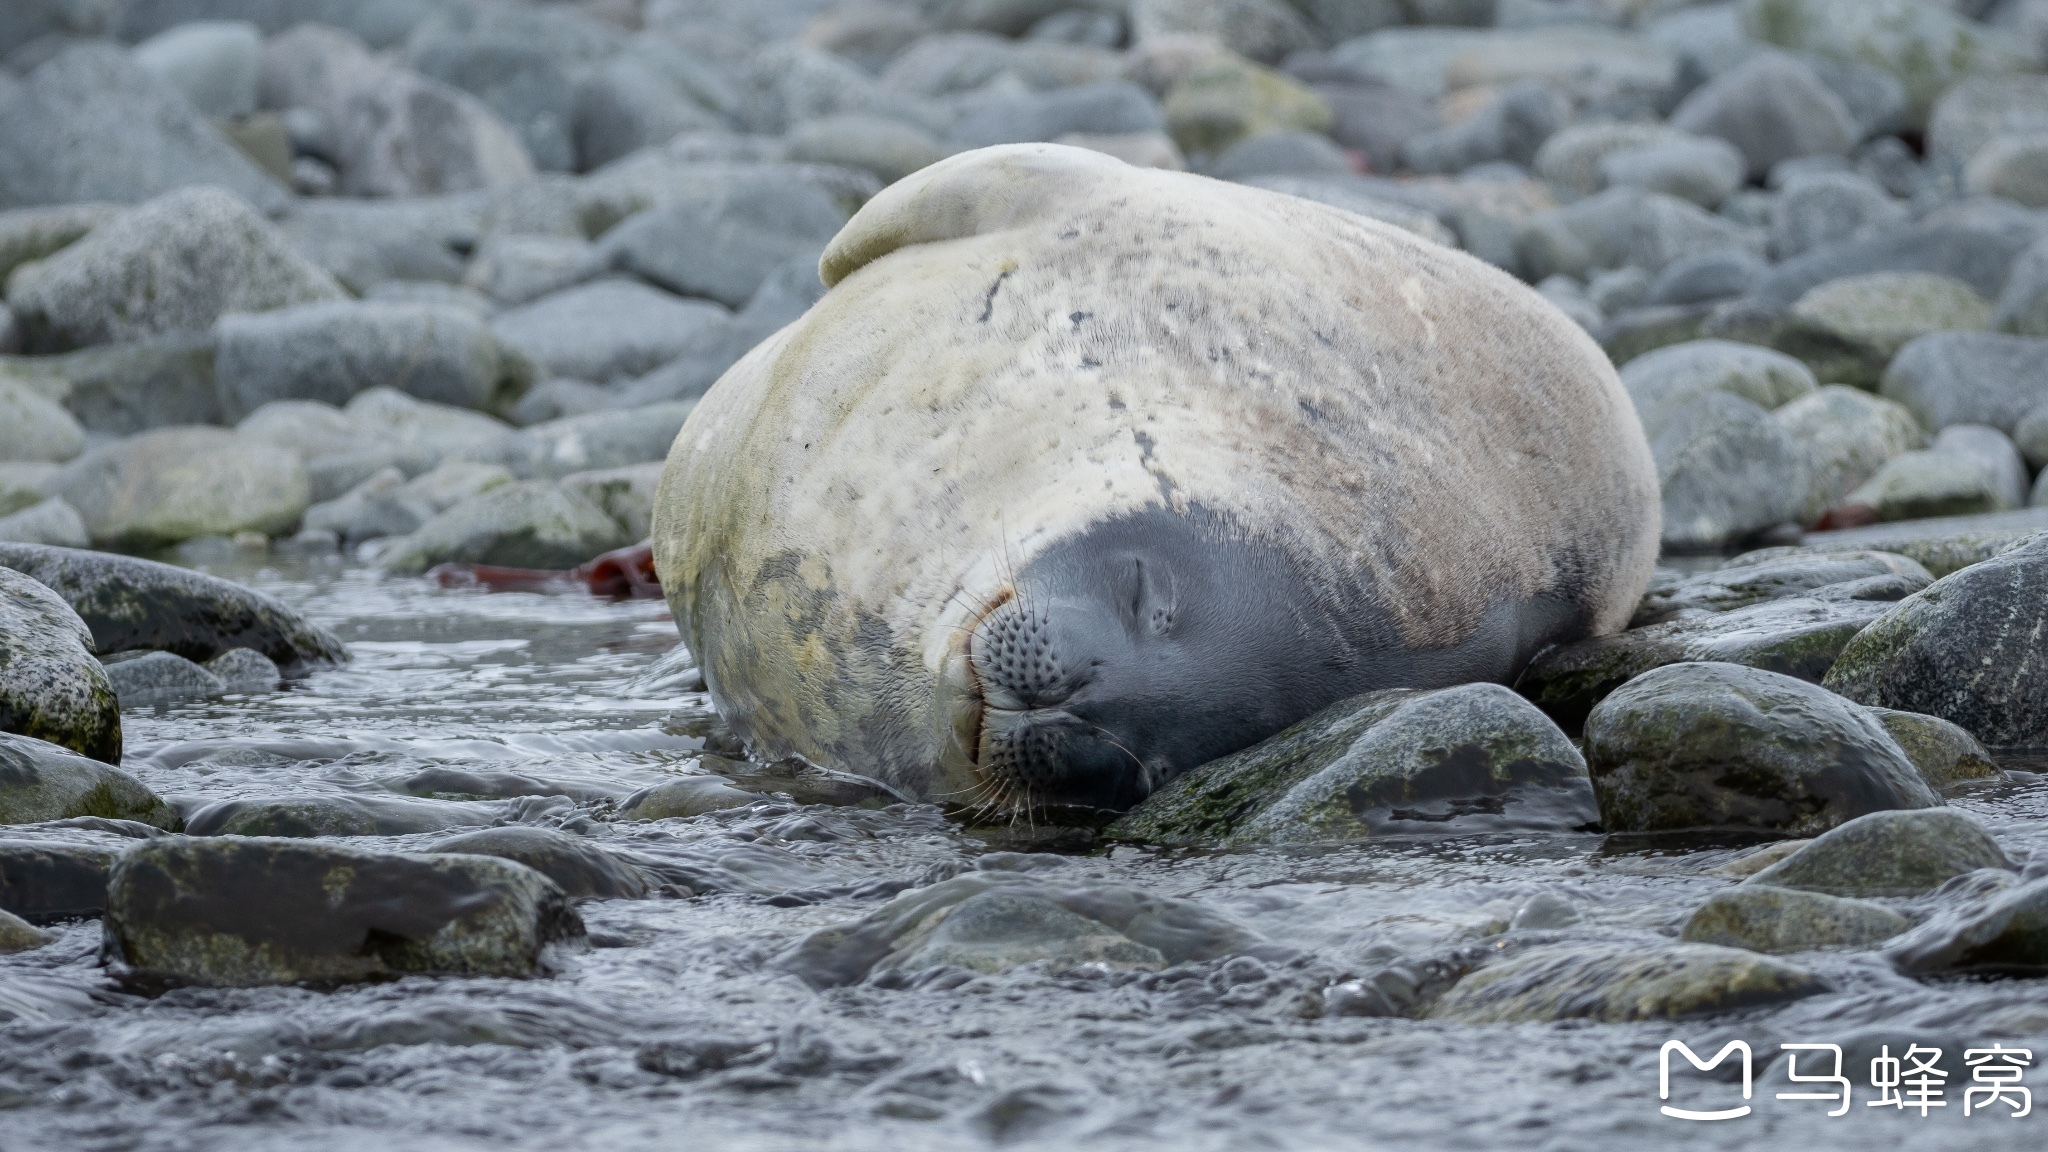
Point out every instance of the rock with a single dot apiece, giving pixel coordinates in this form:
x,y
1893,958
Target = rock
x,y
1995,455
46,881
793,83
581,869
174,264
955,63
1770,107
2014,167
1757,859
1914,485
51,688
50,522
1888,854
1663,381
890,149
150,678
1945,754
34,428
1848,434
1264,30
1943,545
306,816
134,604
41,781
724,242
1968,649
999,930
1873,96
1727,471
391,132
1458,760
1715,745
93,124
245,670
1778,920
604,439
174,484
387,504
1281,152
1618,290
1924,45
1829,207
238,913
1980,109
1848,330
1750,580
1223,100
637,100
522,63
2023,304
1706,277
685,797
1625,227
1636,331
331,352
1008,116
32,233
364,243
122,389
1949,378
515,269
626,494
2006,934
1572,157
1374,119
1619,983
1977,255
24,485
604,330
531,524
1703,170
381,22
212,63
1510,127
18,935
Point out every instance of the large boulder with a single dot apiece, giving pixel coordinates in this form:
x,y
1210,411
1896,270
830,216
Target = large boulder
x,y
175,264
331,352
40,781
244,912
1949,378
1722,746
1970,649
51,688
605,330
1849,329
1888,854
173,484
134,604
532,524
1618,983
1474,758
92,124
1925,45
1945,754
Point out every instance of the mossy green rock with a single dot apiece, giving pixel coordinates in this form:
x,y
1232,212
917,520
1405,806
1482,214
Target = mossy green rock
x,y
1618,983
1926,483
578,867
1001,929
41,781
1945,754
1764,919
18,935
1888,854
1943,546
51,687
2004,933
340,816
1722,746
132,604
235,912
1474,758
1972,648
1848,329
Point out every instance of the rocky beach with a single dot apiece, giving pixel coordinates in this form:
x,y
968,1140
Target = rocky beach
x,y
357,790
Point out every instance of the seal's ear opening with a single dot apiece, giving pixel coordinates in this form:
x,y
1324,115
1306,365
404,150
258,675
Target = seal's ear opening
x,y
973,193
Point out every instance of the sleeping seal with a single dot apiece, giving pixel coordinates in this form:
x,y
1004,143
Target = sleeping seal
x,y
1082,474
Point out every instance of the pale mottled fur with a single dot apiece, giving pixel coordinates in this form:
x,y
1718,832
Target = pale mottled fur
x,y
1022,341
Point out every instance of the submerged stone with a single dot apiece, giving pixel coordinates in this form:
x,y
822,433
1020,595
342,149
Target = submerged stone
x,y
1765,919
1614,983
2003,931
43,881
1474,758
1722,746
339,816
51,688
41,781
999,930
18,935
247,912
688,796
578,867
1888,854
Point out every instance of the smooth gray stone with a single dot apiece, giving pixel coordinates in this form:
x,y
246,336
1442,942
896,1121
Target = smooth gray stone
x,y
581,869
51,688
40,781
330,352
150,678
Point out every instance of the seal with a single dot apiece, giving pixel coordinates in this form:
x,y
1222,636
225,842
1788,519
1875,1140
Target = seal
x,y
1081,475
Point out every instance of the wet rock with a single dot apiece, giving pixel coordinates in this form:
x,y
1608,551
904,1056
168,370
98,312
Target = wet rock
x,y
1945,754
530,524
1727,471
212,63
18,935
1949,378
1742,582
1888,854
626,494
150,678
173,484
1620,983
581,869
175,264
245,670
685,797
1510,127
1756,860
604,330
51,688
1848,435
1968,649
1458,760
1924,45
1849,329
238,913
41,781
1830,207
331,352
301,816
49,522
134,604
1764,919
999,930
604,439
1223,100
144,138
122,389
34,428
1716,745
1943,545
2006,934
1770,107
795,778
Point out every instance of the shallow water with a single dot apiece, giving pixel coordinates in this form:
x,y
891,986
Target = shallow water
x,y
609,1052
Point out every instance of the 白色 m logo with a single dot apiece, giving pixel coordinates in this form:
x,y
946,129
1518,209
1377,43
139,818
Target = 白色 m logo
x,y
1664,1079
